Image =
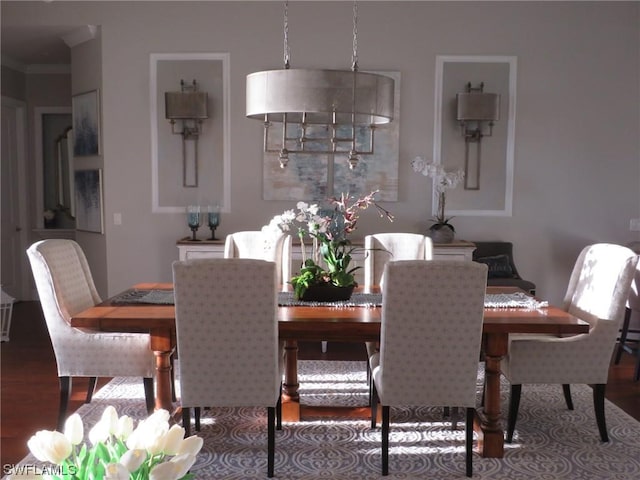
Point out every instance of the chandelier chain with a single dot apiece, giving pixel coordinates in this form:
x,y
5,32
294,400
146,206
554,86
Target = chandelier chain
x,y
354,56
287,51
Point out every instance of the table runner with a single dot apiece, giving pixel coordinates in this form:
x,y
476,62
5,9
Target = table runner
x,y
287,299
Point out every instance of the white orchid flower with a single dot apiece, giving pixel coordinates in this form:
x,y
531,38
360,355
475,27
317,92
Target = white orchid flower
x,y
116,471
48,446
73,429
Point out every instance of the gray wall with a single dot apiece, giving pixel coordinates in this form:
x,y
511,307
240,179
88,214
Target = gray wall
x,y
577,166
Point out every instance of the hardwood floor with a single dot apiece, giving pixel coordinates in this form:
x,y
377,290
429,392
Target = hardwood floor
x,y
29,382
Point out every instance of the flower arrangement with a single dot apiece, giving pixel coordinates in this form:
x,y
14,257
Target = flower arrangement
x,y
152,450
329,230
444,180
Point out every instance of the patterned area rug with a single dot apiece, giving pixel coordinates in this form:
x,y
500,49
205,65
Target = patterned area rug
x,y
550,441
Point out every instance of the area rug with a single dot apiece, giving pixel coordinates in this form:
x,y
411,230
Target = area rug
x,y
550,442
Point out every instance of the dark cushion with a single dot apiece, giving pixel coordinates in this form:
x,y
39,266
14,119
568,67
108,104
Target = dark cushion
x,y
499,266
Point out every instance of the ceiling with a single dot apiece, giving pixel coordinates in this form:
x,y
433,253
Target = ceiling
x,y
35,45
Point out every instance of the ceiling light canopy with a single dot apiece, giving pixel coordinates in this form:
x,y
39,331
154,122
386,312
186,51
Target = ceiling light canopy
x,y
321,111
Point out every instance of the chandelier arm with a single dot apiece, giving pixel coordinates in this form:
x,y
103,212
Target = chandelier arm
x,y
354,55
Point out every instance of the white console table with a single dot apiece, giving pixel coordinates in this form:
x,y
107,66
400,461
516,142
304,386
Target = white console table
x,y
188,249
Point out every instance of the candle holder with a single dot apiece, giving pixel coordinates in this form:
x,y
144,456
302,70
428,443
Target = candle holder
x,y
213,216
193,220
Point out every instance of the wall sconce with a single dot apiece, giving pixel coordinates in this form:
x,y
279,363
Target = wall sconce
x,y
189,107
476,113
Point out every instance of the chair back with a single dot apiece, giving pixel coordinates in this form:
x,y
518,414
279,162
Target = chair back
x,y
432,313
600,284
380,248
272,246
227,332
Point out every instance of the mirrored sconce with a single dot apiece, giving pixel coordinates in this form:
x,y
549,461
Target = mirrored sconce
x,y
476,113
188,107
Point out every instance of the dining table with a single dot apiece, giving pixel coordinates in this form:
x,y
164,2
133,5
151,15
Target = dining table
x,y
319,322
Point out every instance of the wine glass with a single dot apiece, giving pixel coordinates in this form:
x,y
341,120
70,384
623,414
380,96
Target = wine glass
x,y
213,215
193,220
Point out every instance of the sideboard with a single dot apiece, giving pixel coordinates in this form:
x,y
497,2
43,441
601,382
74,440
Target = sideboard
x,y
189,249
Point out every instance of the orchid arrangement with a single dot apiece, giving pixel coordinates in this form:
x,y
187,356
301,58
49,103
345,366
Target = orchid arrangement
x,y
329,230
152,450
443,180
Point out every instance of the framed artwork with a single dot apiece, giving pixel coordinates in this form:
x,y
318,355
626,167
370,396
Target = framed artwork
x,y
315,177
211,158
86,124
88,201
487,159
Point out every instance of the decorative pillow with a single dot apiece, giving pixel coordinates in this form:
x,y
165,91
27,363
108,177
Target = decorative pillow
x,y
499,266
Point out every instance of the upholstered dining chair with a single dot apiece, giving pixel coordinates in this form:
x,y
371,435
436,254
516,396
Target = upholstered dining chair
x,y
65,287
597,293
262,245
380,248
626,343
227,335
430,337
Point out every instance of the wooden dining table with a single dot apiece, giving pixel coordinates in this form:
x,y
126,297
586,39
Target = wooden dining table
x,y
345,324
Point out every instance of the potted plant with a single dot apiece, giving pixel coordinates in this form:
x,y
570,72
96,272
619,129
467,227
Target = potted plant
x,y
327,273
441,231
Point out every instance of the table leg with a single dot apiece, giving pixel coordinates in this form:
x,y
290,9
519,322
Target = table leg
x,y
163,347
291,370
495,348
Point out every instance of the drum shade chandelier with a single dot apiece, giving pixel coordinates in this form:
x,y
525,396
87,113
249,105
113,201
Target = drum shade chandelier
x,y
321,111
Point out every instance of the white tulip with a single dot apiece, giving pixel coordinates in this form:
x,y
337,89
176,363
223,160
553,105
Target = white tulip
x,y
173,440
73,429
49,446
116,471
183,464
124,428
133,459
100,432
164,471
110,417
190,445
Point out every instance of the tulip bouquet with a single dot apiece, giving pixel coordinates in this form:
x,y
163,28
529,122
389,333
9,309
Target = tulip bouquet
x,y
152,450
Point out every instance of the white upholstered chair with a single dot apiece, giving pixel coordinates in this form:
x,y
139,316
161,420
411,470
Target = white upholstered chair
x,y
380,248
262,245
383,247
65,287
626,343
430,340
597,293
227,335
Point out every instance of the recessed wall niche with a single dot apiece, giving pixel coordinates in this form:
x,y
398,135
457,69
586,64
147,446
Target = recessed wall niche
x,y
211,74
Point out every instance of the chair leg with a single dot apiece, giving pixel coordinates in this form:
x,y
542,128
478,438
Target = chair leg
x,y
566,390
374,405
469,441
454,418
148,394
271,440
598,405
65,394
186,421
385,440
174,398
91,388
636,375
623,335
279,411
514,405
196,413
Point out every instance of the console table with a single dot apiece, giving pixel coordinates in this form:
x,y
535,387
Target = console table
x,y
188,249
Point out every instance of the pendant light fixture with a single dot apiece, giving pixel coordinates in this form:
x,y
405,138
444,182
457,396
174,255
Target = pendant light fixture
x,y
321,111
